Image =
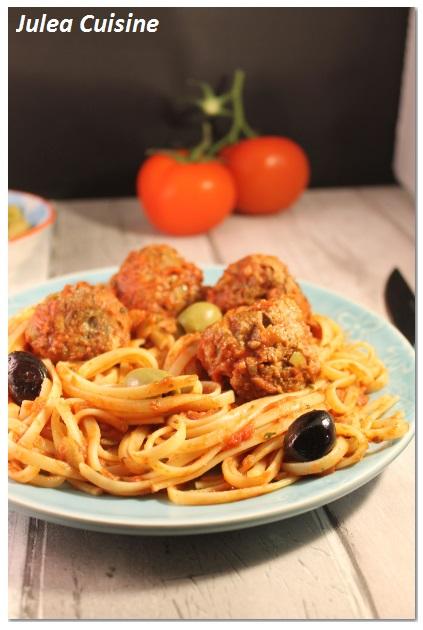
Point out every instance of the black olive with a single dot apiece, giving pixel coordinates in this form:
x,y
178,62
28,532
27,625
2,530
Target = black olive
x,y
25,375
309,437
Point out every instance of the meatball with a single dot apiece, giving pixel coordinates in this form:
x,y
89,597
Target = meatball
x,y
253,278
262,349
157,279
79,323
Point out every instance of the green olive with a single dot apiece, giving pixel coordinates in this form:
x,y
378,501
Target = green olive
x,y
144,376
198,316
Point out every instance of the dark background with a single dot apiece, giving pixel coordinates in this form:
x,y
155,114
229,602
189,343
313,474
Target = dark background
x,y
83,107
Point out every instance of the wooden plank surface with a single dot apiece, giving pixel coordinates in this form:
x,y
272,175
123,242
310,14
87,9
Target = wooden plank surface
x,y
353,559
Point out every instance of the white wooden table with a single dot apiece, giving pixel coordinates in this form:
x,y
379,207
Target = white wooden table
x,y
353,559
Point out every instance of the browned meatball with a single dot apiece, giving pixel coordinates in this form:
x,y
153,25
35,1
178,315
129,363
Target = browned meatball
x,y
262,349
157,279
79,323
253,278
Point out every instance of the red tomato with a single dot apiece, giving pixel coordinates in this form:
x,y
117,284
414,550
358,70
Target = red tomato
x,y
183,198
270,173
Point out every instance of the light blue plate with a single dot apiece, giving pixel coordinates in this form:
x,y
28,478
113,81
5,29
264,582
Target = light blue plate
x,y
155,515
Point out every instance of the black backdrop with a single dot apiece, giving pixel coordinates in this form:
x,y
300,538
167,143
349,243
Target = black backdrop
x,y
84,107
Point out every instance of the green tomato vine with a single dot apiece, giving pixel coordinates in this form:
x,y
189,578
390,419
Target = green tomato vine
x,y
229,104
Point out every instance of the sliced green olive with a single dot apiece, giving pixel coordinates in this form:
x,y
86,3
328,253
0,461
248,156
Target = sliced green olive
x,y
198,316
144,376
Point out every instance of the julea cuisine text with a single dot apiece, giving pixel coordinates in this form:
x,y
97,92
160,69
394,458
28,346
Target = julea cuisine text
x,y
88,24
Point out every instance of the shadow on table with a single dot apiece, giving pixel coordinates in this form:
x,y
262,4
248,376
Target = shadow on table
x,y
163,559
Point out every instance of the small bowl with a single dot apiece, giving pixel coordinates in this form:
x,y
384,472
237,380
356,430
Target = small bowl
x,y
29,253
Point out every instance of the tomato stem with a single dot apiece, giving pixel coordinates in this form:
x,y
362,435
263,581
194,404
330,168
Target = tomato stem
x,y
211,104
201,150
238,104
199,153
239,125
229,104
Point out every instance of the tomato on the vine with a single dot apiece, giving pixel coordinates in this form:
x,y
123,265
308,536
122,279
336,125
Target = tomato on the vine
x,y
183,197
270,173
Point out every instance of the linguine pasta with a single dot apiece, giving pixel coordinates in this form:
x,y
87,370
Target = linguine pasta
x,y
183,435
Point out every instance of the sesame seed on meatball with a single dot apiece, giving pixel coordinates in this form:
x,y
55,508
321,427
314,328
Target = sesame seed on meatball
x,y
78,323
262,349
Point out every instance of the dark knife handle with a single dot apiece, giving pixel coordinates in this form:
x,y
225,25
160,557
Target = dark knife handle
x,y
400,303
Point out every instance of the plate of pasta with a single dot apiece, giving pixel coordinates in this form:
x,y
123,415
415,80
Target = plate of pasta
x,y
163,398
